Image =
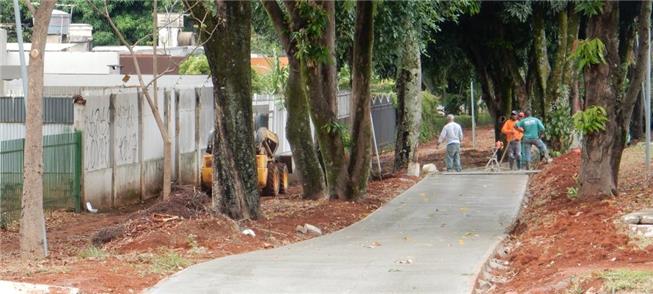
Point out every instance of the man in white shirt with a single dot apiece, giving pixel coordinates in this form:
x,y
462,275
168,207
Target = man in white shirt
x,y
452,133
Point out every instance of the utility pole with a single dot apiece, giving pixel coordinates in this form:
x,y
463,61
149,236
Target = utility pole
x,y
21,51
647,106
473,102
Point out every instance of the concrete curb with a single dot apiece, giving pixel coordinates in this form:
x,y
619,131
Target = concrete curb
x,y
490,173
478,283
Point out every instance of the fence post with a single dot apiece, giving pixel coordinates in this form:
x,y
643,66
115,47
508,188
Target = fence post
x,y
140,146
112,149
77,170
198,148
177,131
79,120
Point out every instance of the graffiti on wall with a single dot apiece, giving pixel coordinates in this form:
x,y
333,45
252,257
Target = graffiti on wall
x,y
96,153
126,130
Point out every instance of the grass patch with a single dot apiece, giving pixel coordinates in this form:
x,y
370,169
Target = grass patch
x,y
168,261
92,252
625,279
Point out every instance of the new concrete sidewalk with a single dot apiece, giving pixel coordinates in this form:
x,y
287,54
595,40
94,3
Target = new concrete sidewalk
x,y
431,239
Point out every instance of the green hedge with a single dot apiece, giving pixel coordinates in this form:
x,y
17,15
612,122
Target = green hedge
x,y
432,123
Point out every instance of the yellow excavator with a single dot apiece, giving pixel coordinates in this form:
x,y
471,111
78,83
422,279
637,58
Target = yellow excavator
x,y
272,172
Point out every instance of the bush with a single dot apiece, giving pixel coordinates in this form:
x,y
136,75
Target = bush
x,y
559,129
194,65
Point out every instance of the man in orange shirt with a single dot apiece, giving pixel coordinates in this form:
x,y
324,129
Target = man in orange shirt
x,y
513,136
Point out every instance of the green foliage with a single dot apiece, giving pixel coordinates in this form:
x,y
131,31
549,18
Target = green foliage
x,y
258,83
273,82
341,130
518,10
168,261
592,120
432,121
344,77
589,8
572,193
264,39
628,280
195,65
132,17
559,127
382,86
452,102
308,37
263,45
92,252
391,20
589,52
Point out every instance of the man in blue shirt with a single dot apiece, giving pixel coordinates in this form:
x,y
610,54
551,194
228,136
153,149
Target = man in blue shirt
x,y
533,129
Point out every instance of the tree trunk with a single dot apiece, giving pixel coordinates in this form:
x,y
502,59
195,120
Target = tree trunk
x,y
637,122
540,49
298,128
361,131
235,191
32,221
409,100
298,124
597,173
601,155
555,82
321,81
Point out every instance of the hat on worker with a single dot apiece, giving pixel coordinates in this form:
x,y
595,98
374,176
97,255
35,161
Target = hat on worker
x,y
514,112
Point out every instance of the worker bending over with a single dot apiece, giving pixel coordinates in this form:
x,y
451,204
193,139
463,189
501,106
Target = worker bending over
x,y
533,130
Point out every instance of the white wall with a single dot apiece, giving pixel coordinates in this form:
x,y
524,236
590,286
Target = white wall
x,y
72,62
12,131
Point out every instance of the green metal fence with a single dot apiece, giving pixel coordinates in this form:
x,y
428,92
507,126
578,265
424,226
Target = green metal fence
x,y
62,159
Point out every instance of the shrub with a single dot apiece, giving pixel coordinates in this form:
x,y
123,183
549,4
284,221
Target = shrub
x,y
559,129
168,261
592,120
92,252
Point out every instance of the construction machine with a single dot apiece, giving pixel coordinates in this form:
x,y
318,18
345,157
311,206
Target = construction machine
x,y
271,170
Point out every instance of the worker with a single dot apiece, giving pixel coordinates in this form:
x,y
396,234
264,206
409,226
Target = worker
x,y
452,133
522,162
513,137
533,130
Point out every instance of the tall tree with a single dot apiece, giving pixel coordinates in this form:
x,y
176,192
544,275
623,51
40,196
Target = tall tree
x,y
225,32
554,78
298,124
613,85
32,221
409,88
361,131
317,23
311,25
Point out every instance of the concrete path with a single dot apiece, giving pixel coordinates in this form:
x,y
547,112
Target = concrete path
x,y
431,239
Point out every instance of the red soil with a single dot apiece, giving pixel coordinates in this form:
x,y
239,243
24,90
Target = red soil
x,y
183,225
557,237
